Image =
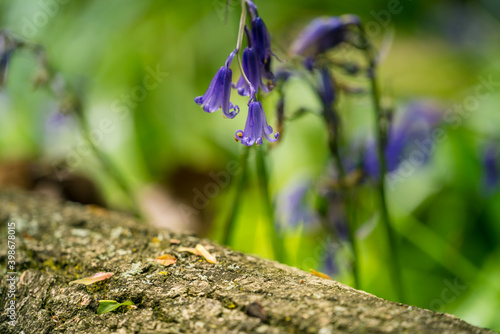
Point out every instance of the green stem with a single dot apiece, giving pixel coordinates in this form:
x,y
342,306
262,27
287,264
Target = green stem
x,y
276,240
239,42
108,166
231,220
381,137
333,132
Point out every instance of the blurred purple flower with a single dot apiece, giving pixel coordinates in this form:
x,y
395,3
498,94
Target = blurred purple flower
x,y
292,208
491,177
256,127
319,36
411,134
330,264
337,214
219,92
56,120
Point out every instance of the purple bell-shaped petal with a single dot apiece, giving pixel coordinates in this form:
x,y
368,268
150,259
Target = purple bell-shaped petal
x,y
261,40
253,72
256,127
218,93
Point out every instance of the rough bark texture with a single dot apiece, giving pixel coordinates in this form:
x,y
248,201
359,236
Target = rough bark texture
x,y
58,243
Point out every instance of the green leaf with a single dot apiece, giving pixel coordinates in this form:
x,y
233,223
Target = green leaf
x,y
106,306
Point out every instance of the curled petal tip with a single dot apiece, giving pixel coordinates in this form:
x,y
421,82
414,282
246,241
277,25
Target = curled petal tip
x,y
218,93
256,127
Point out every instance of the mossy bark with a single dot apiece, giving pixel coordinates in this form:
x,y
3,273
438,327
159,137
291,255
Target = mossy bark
x,y
57,243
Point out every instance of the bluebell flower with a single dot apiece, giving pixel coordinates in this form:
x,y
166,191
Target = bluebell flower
x,y
252,69
293,208
491,177
261,40
322,34
326,88
219,92
256,60
252,9
256,127
411,135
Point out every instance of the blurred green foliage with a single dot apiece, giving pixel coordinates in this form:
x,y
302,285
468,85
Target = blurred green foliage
x,y
449,227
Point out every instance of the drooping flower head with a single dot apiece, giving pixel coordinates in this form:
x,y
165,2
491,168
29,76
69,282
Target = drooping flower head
x,y
219,92
261,40
256,127
252,69
322,34
256,60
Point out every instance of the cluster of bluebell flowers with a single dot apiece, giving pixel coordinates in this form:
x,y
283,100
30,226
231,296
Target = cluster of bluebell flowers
x,y
256,74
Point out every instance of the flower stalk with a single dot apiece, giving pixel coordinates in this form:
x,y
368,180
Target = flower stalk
x,y
332,121
381,140
276,240
239,191
239,42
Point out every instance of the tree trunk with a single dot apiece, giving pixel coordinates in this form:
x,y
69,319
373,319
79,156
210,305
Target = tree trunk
x,y
58,243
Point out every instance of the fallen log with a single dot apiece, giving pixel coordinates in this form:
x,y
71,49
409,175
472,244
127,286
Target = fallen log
x,y
57,243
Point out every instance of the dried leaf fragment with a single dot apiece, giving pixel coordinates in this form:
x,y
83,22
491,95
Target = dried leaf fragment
x,y
317,273
203,252
92,279
97,210
175,241
166,260
188,249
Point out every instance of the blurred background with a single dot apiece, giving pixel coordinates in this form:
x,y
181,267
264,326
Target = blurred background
x,y
136,67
